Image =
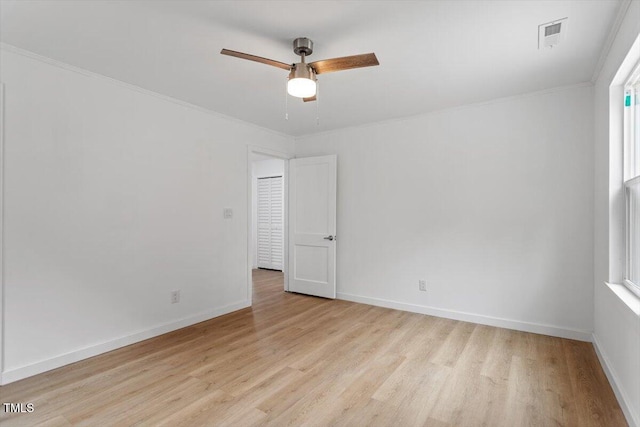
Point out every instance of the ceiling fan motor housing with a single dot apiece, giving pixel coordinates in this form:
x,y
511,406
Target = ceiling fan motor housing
x,y
303,46
302,71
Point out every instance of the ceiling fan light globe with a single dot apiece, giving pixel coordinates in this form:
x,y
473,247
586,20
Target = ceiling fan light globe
x,y
301,87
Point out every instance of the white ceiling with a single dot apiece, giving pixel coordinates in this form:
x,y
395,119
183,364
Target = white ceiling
x,y
433,54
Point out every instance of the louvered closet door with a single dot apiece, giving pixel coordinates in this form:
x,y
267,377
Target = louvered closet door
x,y
270,222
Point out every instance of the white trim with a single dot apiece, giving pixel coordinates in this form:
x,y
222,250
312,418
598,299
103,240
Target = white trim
x,y
632,181
616,201
252,149
632,287
536,328
626,296
631,173
613,33
285,225
87,73
623,400
94,350
2,290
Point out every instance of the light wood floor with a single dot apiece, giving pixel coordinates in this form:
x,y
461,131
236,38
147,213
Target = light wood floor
x,y
298,360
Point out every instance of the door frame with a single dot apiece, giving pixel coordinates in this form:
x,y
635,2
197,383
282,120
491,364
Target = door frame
x,y
251,150
2,284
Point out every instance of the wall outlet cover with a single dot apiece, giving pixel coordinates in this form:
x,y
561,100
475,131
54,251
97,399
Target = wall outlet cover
x,y
175,297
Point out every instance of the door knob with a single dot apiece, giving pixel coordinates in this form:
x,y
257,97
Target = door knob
x,y
328,238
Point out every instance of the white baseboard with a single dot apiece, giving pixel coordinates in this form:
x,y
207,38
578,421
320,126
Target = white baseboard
x,y
632,418
537,328
7,377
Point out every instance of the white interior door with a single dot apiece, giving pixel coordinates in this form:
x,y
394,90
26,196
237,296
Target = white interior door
x,y
312,226
270,214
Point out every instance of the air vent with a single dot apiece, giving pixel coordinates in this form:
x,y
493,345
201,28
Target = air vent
x,y
552,29
552,33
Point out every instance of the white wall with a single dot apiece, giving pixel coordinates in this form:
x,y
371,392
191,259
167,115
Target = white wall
x,y
113,197
261,169
492,204
616,323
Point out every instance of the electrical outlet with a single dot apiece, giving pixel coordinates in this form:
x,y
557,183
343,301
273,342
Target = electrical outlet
x,y
422,285
175,297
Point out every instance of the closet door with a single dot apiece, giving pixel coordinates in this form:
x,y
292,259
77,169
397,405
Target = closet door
x,y
270,222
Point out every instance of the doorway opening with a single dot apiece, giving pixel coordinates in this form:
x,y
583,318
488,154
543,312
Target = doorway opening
x,y
268,201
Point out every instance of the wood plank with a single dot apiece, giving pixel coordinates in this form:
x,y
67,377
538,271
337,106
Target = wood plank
x,y
298,360
589,385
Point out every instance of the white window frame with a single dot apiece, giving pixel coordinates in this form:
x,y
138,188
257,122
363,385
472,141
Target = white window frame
x,y
631,174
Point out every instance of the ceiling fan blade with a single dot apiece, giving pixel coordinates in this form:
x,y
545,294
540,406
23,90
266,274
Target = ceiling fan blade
x,y
345,63
311,98
256,59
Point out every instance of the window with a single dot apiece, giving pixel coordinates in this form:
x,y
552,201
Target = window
x,y
632,180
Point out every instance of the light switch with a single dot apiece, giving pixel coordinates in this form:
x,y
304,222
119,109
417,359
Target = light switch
x,y
228,213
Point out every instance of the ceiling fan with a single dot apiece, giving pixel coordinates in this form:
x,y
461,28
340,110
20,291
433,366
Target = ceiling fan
x,y
302,76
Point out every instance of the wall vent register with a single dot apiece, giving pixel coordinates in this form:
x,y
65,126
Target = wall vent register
x,y
552,33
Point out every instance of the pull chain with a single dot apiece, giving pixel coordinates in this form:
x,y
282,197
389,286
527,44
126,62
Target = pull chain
x,y
317,103
286,102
